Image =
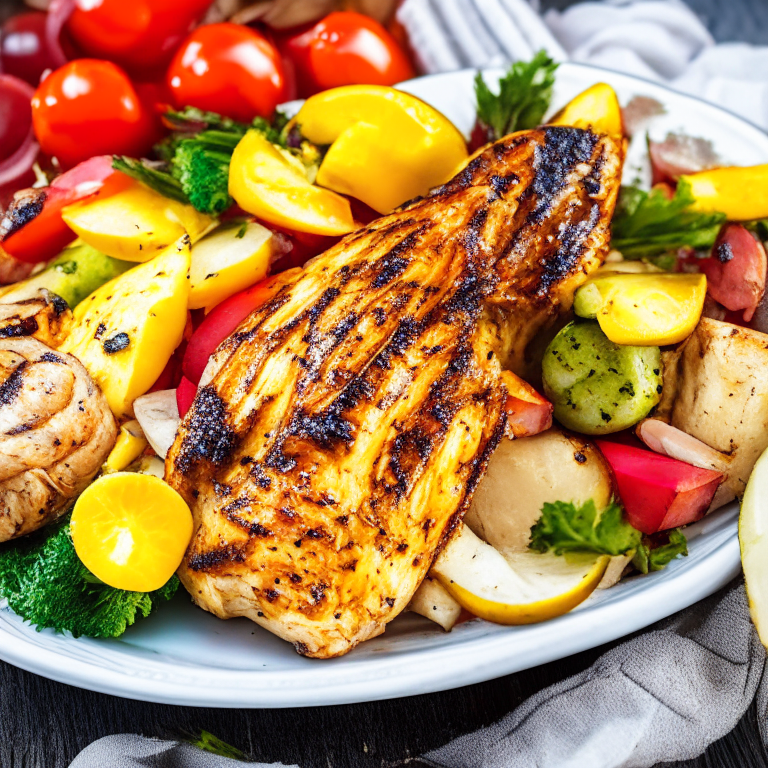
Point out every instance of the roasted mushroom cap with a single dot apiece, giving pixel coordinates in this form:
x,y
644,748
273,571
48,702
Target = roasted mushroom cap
x,y
55,432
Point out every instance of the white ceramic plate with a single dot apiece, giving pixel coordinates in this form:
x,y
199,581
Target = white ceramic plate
x,y
182,655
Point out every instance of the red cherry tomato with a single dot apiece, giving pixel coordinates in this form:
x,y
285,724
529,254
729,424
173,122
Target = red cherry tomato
x,y
90,107
140,35
344,48
23,48
229,69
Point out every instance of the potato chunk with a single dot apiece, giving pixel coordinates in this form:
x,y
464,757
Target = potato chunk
x,y
126,331
525,474
716,389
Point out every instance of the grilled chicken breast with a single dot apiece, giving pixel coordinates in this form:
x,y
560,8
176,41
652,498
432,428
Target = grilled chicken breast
x,y
341,431
56,428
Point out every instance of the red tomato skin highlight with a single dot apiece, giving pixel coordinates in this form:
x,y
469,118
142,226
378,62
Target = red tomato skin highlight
x,y
140,35
90,107
344,48
659,493
229,69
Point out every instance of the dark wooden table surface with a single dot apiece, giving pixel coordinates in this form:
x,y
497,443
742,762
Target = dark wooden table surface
x,y
45,724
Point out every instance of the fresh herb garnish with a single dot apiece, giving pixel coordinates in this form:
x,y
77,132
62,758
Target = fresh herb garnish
x,y
648,224
564,527
653,558
155,175
523,98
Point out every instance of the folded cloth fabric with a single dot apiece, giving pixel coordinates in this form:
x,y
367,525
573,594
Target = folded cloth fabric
x,y
128,750
664,695
662,40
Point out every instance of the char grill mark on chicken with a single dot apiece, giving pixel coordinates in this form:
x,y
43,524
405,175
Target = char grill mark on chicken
x,y
343,427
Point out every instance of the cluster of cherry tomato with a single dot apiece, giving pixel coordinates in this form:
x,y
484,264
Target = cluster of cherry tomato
x,y
129,57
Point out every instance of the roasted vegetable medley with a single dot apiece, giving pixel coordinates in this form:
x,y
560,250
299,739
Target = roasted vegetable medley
x,y
160,244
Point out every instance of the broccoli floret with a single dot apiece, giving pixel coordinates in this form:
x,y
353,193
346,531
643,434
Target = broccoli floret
x,y
45,583
204,176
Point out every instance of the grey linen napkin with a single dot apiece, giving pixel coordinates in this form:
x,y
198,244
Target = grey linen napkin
x,y
664,695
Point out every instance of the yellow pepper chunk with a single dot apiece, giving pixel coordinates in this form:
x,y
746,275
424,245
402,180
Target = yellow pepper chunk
x,y
126,331
135,224
272,185
131,530
643,309
228,260
387,146
740,193
596,108
130,444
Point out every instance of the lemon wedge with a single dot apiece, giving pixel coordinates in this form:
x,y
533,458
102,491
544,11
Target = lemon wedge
x,y
753,537
519,588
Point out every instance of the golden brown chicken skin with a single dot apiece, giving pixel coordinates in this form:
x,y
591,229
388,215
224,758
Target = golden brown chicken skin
x,y
341,431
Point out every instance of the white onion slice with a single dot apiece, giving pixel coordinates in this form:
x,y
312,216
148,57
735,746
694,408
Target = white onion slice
x,y
158,415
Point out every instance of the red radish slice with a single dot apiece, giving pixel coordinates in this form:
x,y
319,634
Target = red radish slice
x,y
528,412
658,492
32,229
59,12
18,148
736,270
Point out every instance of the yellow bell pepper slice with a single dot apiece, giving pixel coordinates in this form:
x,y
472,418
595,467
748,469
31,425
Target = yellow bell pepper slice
x,y
131,530
130,444
596,108
126,331
229,260
135,224
740,193
643,309
387,146
268,183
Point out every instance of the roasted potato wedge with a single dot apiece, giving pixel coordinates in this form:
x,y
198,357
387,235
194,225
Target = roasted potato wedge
x,y
716,389
524,474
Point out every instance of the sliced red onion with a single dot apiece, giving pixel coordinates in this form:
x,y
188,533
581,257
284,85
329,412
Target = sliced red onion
x,y
679,154
59,12
21,160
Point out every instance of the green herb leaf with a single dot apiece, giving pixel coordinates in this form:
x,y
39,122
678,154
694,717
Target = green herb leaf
x,y
523,98
45,583
161,181
210,743
650,557
648,224
564,527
